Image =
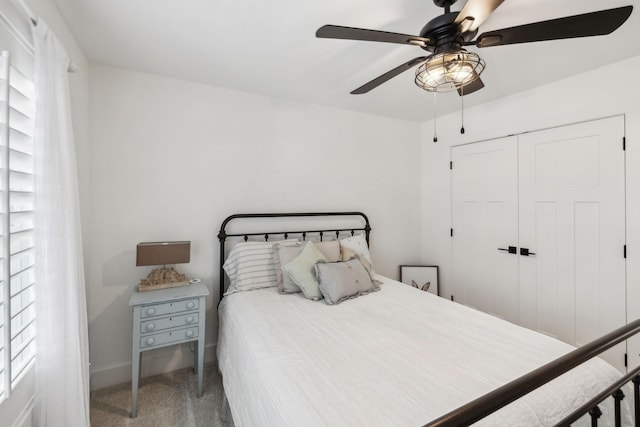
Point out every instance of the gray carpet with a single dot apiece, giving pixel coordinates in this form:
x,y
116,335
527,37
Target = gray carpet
x,y
163,400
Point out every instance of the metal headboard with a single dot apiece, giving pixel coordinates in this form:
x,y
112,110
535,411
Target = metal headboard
x,y
222,235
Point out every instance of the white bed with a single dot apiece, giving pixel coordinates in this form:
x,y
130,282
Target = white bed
x,y
395,357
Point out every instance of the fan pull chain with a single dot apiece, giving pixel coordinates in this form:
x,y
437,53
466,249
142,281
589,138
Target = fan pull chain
x,y
435,117
462,109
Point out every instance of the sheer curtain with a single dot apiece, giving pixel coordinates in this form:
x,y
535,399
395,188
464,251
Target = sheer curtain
x,y
62,358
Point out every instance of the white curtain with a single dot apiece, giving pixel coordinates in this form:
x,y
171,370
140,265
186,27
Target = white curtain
x,y
62,358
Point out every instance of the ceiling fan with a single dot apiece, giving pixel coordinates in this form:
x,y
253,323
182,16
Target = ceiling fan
x,y
449,66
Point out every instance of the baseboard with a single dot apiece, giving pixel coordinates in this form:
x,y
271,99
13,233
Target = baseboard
x,y
154,362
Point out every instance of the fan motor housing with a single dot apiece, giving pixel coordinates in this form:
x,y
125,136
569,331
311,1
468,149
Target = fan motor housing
x,y
443,33
444,3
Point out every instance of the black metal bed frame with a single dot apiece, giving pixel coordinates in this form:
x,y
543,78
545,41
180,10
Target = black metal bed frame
x,y
502,396
222,235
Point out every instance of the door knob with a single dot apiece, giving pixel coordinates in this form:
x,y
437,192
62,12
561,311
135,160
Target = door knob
x,y
510,249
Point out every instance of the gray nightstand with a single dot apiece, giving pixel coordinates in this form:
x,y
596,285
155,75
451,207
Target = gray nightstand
x,y
167,317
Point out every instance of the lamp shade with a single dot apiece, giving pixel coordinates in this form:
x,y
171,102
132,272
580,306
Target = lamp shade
x,y
162,253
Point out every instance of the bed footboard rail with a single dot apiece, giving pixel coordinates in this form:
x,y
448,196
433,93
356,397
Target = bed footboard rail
x,y
614,391
502,396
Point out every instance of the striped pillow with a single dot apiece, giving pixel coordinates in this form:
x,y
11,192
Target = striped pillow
x,y
250,265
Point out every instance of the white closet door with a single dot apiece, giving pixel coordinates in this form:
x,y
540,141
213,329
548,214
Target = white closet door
x,y
572,217
485,217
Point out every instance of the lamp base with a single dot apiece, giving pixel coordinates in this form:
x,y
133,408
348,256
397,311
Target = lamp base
x,y
162,278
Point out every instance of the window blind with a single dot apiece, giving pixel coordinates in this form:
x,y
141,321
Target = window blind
x,y
17,246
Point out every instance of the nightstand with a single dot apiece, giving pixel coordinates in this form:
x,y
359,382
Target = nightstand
x,y
167,317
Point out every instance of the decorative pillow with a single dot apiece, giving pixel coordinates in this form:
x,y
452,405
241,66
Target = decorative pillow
x,y
302,271
343,280
285,254
357,245
330,249
250,265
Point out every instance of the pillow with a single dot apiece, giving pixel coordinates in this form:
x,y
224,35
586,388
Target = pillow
x,y
330,249
357,245
343,280
285,254
302,271
250,265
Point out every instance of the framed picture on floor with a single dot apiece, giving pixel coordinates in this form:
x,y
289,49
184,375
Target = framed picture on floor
x,y
423,277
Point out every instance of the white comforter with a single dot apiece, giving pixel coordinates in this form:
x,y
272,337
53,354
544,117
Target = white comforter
x,y
397,357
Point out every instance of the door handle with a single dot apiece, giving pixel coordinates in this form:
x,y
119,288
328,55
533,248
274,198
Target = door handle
x,y
510,249
525,252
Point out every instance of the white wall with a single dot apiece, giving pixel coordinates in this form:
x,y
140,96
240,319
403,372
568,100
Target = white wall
x,y
171,159
608,91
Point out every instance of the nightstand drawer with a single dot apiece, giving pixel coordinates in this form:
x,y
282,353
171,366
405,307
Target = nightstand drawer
x,y
162,338
168,308
168,322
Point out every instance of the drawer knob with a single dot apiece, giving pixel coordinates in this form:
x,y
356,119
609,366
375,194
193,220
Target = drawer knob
x,y
190,333
190,305
190,319
150,341
151,326
151,311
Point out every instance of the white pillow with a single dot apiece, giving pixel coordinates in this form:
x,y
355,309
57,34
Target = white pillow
x,y
302,271
357,245
283,255
250,265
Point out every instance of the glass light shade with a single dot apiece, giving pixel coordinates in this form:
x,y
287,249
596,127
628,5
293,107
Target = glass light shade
x,y
447,71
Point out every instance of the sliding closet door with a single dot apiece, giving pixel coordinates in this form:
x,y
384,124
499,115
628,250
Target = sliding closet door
x,y
485,221
572,220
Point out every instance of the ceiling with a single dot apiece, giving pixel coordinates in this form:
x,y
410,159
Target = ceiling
x,y
270,48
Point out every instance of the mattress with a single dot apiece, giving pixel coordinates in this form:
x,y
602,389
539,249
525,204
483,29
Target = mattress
x,y
399,356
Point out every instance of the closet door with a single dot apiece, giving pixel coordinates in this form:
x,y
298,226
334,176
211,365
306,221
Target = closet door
x,y
572,218
484,185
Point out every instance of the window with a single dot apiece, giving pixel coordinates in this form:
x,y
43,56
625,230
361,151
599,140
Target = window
x,y
17,252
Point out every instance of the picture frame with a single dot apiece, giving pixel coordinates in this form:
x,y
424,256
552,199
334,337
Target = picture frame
x,y
424,277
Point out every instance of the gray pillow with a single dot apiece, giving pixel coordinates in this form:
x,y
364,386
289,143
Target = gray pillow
x,y
343,280
283,255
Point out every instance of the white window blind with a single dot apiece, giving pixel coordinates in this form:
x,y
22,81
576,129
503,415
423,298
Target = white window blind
x,y
17,252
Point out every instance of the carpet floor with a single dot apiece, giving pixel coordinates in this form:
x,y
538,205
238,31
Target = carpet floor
x,y
164,400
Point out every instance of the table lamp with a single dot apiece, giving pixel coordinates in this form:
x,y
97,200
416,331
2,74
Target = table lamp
x,y
162,253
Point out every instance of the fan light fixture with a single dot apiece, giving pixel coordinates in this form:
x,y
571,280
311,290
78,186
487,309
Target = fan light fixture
x,y
449,67
448,71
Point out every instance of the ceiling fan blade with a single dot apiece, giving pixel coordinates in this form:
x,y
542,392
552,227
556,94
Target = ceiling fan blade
x,y
588,24
388,75
474,13
350,33
469,88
